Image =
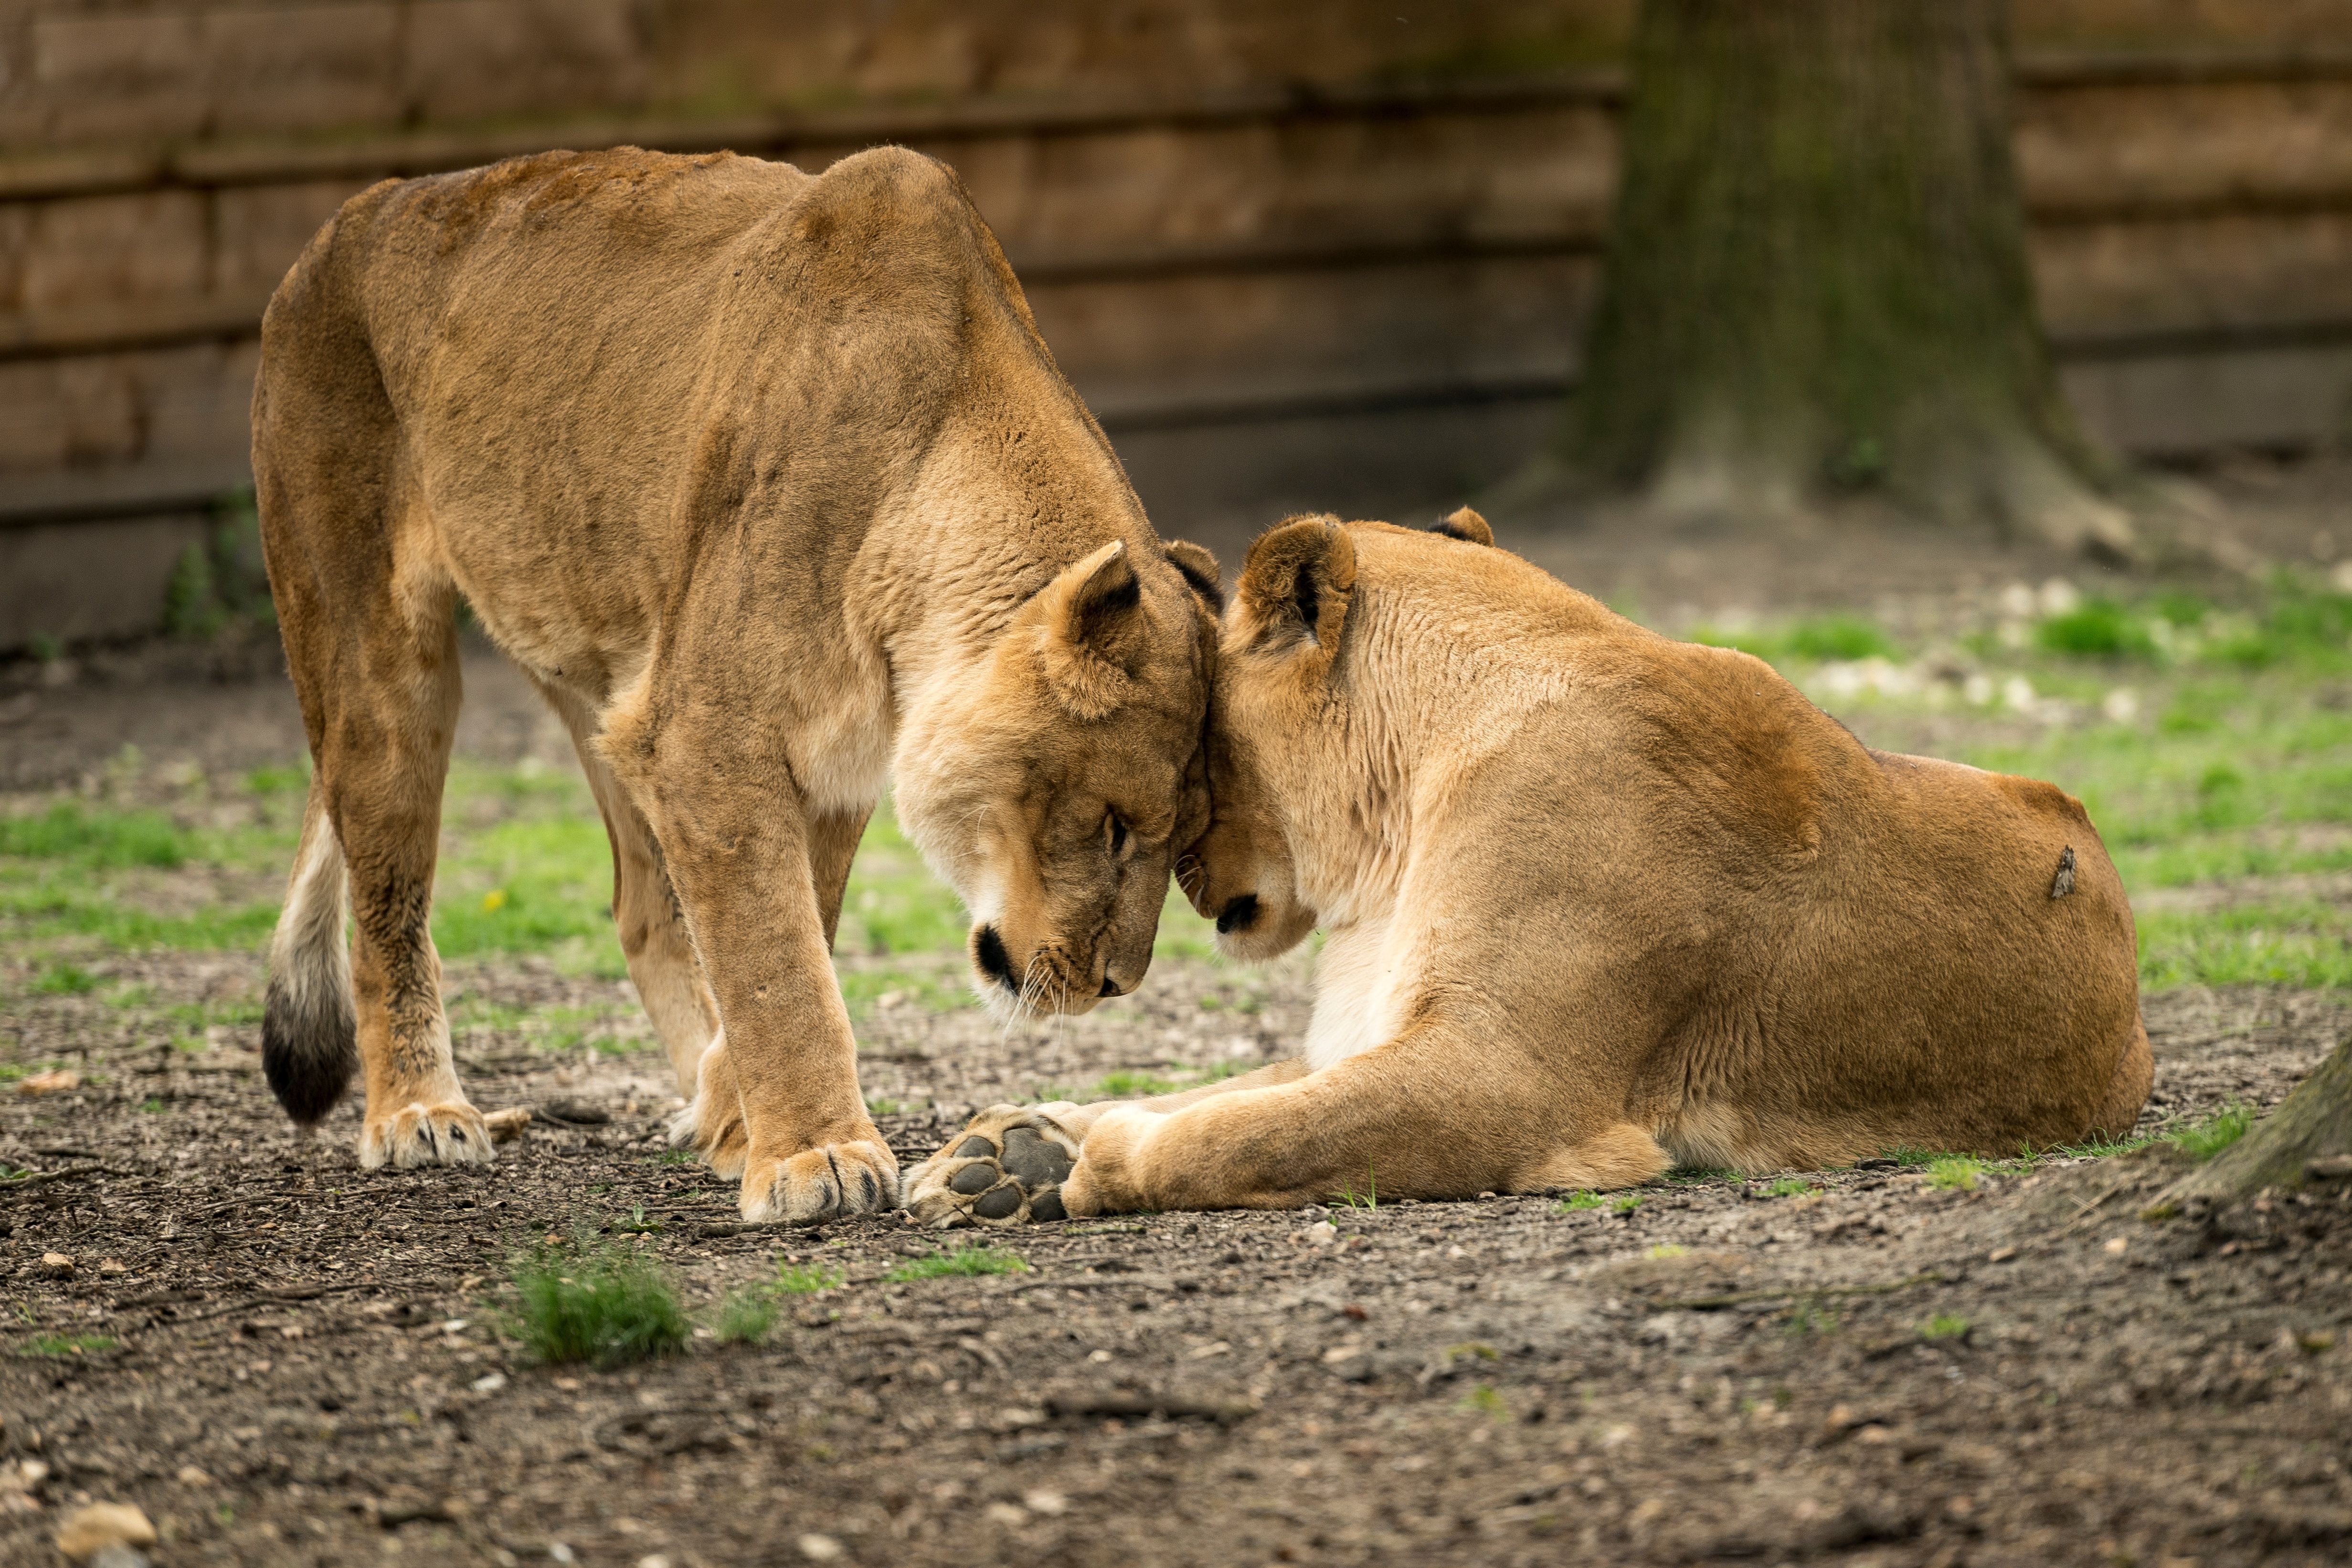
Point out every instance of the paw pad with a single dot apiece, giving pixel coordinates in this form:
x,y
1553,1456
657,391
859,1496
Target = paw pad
x,y
1014,1175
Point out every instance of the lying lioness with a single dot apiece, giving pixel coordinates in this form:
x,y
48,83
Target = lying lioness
x,y
769,484
1596,903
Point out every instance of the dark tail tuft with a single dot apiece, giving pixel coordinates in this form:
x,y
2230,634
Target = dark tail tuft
x,y
310,1048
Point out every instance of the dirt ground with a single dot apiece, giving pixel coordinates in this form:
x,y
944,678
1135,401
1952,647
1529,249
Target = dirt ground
x,y
306,1365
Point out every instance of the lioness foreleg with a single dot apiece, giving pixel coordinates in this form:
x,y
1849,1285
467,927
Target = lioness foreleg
x,y
739,844
712,1122
1430,1115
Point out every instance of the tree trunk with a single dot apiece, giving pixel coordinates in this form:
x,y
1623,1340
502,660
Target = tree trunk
x,y
2314,1122
1816,278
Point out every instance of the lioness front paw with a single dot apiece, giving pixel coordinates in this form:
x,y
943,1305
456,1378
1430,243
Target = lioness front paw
x,y
448,1132
1006,1167
833,1181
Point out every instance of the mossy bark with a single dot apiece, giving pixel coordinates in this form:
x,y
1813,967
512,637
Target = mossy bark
x,y
2314,1122
1817,275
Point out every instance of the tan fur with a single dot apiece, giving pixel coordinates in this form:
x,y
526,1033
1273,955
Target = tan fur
x,y
1597,902
769,483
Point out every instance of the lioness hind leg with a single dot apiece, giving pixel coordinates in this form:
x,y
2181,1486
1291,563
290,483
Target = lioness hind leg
x,y
2127,1093
385,759
1619,1156
645,915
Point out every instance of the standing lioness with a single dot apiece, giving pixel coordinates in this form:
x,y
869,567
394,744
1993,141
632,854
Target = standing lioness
x,y
769,483
1596,902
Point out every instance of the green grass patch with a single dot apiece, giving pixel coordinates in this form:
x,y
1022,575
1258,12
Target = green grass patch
x,y
806,1279
66,980
67,1344
745,1316
598,1304
88,838
1788,1187
1136,1084
1954,1172
2285,942
1945,1326
1368,1198
2098,628
962,1262
1813,639
1810,1317
1626,1203
2204,1139
1485,1399
1578,1202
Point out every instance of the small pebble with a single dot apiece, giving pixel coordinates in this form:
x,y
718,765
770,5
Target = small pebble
x,y
820,1548
53,1082
103,1524
56,1263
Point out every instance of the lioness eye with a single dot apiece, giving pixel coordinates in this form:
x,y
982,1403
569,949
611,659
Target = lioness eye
x,y
1117,830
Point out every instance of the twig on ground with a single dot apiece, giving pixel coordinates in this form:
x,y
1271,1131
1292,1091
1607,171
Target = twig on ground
x,y
38,1177
1740,1297
1137,1406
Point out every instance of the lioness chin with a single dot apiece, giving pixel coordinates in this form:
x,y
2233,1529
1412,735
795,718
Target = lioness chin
x,y
1596,903
769,484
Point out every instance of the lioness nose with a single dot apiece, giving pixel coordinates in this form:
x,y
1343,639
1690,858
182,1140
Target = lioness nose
x,y
1237,914
1109,987
989,948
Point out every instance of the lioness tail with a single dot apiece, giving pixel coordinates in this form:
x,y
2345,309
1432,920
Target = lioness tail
x,y
309,1040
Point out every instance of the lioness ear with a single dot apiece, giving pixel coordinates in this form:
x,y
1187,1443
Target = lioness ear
x,y
1092,631
1466,526
1199,570
1296,584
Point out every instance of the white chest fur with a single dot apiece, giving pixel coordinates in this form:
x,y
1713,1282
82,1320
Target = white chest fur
x,y
1361,981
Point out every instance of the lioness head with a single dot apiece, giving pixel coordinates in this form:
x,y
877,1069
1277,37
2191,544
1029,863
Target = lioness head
x,y
1053,787
1278,657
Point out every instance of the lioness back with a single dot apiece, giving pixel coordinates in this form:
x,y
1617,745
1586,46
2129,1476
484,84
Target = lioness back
x,y
568,344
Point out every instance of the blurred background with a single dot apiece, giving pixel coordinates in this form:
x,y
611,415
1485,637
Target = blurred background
x,y
1325,254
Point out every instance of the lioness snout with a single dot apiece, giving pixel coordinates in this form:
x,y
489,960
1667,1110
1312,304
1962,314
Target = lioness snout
x,y
995,961
988,950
